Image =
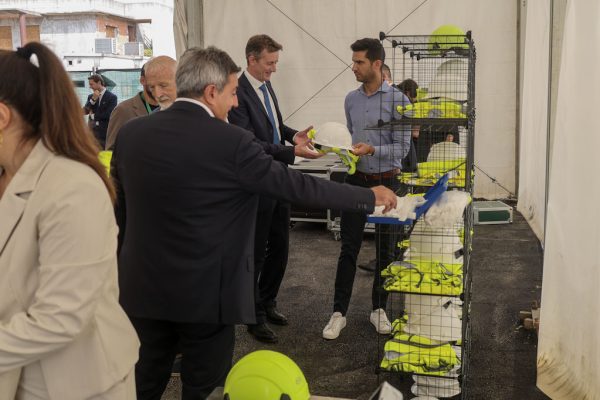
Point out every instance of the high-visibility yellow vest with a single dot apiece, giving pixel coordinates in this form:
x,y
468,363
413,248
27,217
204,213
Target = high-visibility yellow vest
x,y
417,354
399,324
435,108
429,172
423,277
105,157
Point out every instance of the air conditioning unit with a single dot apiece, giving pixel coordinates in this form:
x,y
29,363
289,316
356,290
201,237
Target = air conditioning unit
x,y
106,45
133,49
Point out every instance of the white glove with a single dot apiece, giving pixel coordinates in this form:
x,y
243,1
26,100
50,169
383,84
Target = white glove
x,y
448,210
405,208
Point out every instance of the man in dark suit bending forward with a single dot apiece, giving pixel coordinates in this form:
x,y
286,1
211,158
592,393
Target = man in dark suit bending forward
x,y
188,185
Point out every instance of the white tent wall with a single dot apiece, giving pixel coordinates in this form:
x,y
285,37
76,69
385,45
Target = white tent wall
x,y
534,138
533,129
568,349
314,77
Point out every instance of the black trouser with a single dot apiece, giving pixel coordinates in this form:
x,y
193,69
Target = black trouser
x,y
100,136
271,245
207,351
352,230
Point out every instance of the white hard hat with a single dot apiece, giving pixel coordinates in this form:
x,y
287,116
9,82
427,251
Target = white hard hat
x,y
433,317
333,134
435,244
420,390
450,80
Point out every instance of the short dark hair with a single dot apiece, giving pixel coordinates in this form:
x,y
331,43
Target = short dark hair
x,y
96,78
409,88
257,43
373,47
143,70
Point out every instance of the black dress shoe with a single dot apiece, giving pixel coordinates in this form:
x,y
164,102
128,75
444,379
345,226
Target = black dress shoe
x,y
263,333
275,317
370,266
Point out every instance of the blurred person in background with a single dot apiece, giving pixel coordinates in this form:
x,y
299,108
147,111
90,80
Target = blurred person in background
x,y
99,105
63,334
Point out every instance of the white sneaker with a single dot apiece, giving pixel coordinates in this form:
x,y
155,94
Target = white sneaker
x,y
380,321
336,323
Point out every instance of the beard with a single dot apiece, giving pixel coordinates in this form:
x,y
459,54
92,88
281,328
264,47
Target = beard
x,y
164,102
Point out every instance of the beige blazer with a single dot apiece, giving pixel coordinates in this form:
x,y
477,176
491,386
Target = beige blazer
x,y
58,281
124,112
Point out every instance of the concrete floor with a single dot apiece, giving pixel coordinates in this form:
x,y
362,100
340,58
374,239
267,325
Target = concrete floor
x,y
507,270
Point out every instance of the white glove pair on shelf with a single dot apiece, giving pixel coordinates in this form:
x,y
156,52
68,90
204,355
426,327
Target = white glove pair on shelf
x,y
405,208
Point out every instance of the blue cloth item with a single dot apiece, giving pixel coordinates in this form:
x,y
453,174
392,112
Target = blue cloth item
x,y
391,145
263,88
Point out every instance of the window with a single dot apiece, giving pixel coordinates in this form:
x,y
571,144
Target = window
x,y
33,33
111,31
6,38
131,33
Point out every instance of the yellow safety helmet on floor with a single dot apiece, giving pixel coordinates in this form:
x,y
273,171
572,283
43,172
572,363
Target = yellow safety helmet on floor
x,y
447,37
266,375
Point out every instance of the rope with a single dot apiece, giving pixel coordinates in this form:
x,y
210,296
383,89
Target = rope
x,y
495,181
347,66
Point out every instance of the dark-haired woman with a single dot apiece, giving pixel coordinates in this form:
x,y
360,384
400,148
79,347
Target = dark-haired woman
x,y
63,334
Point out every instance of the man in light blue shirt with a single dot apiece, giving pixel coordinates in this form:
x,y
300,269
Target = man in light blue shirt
x,y
381,147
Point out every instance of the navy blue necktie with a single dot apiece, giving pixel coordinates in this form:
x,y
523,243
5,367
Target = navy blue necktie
x,y
263,88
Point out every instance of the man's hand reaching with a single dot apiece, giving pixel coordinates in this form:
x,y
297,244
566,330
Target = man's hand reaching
x,y
301,137
384,197
306,151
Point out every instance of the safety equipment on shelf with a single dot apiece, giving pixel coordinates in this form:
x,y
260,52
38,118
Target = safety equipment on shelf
x,y
399,324
434,317
267,375
434,108
429,172
450,82
105,157
448,38
451,389
412,353
448,210
405,208
334,137
436,381
443,151
423,277
436,169
435,244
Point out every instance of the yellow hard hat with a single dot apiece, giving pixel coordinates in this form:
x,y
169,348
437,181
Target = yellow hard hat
x,y
447,38
266,375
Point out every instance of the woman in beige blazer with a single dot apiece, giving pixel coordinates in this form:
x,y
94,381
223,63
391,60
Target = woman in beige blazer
x,y
63,334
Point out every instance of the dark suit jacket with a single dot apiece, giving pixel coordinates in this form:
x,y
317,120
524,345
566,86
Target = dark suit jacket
x,y
102,111
251,115
188,188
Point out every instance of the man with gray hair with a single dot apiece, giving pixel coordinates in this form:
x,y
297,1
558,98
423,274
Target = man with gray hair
x,y
160,78
188,185
143,103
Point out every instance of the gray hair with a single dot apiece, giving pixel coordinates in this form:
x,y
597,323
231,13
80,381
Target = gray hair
x,y
199,68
